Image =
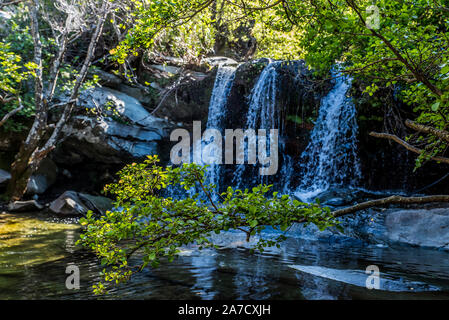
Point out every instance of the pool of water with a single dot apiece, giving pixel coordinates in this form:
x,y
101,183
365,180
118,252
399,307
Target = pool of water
x,y
35,251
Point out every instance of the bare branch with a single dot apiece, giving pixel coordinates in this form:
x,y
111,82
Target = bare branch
x,y
10,114
406,145
390,200
10,3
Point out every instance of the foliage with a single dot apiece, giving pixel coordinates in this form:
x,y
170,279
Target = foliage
x,y
155,226
406,51
15,71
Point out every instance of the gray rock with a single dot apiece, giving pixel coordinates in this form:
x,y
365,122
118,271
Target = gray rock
x,y
136,93
96,203
68,204
165,68
189,102
5,176
44,177
110,140
418,227
24,206
74,203
217,61
108,79
424,228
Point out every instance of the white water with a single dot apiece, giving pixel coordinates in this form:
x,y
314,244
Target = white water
x,y
330,158
262,112
216,118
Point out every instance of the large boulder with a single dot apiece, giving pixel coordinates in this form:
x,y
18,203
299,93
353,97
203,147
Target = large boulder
x,y
423,227
123,130
78,204
189,101
68,204
43,178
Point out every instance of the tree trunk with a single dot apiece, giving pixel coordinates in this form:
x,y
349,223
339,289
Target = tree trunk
x,y
20,174
34,149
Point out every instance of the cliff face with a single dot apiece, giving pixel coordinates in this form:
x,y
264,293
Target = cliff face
x,y
117,123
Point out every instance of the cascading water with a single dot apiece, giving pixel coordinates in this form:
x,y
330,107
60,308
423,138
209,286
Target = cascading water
x,y
330,158
262,112
216,119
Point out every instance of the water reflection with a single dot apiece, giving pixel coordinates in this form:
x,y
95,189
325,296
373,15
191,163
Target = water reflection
x,y
35,251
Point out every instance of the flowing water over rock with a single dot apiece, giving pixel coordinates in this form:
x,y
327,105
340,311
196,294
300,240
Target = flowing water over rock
x,y
263,113
216,117
216,120
331,158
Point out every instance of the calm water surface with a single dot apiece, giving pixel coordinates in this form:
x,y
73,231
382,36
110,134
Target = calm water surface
x,y
36,249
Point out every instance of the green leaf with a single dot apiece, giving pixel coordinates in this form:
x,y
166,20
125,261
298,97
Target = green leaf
x,y
435,106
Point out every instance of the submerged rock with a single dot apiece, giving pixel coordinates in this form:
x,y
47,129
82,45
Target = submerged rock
x,y
424,228
417,227
359,278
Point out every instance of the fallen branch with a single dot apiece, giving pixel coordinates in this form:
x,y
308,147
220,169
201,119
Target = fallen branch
x,y
390,200
406,145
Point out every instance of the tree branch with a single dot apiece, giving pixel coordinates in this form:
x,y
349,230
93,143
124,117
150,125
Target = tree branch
x,y
442,134
79,80
406,145
10,114
390,200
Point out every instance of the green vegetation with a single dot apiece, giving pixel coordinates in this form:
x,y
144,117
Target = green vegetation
x,y
152,226
395,45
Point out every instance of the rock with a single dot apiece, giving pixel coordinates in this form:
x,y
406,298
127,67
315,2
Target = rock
x,y
130,132
108,79
24,206
67,173
189,102
165,68
68,204
96,203
5,176
219,61
44,177
417,227
140,94
74,203
424,228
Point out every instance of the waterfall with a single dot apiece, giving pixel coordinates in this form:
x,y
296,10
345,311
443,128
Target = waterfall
x,y
330,158
216,119
262,112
